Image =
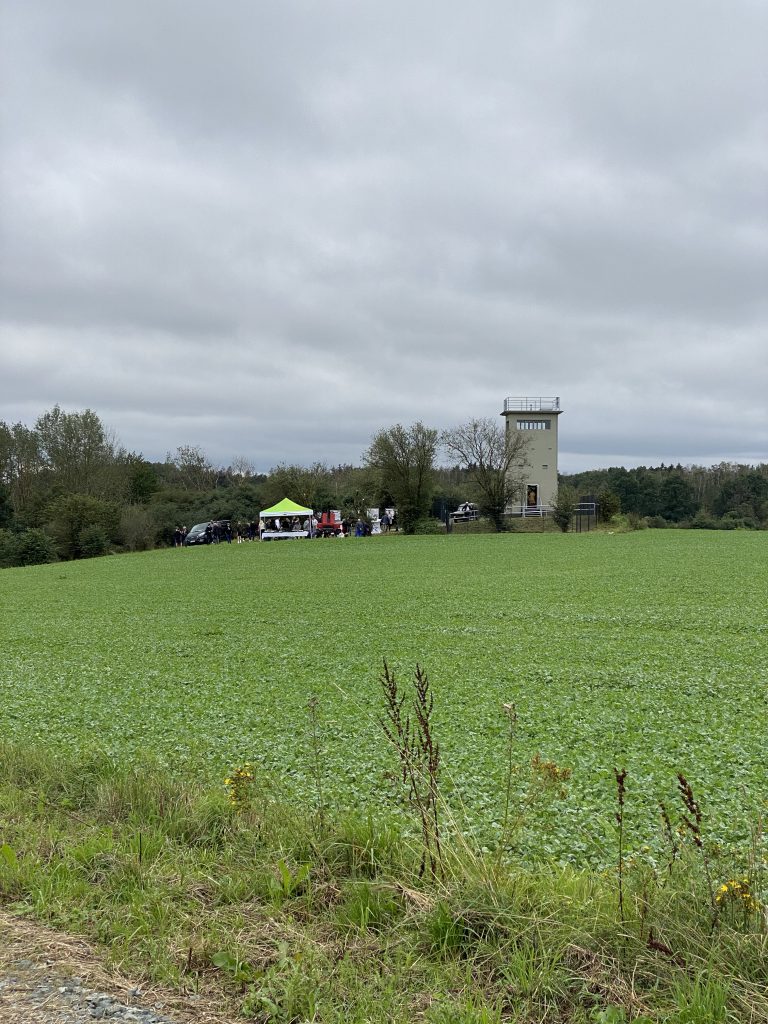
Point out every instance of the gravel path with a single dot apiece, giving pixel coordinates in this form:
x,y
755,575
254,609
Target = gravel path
x,y
47,977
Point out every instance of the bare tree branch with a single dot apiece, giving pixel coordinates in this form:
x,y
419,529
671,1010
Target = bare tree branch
x,y
494,459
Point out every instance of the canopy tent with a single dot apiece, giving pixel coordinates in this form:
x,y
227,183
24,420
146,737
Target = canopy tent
x,y
287,509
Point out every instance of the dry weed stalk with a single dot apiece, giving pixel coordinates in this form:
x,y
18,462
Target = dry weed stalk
x,y
621,790
313,705
670,835
692,822
410,733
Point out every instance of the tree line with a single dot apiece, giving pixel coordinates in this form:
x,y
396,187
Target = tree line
x,y
725,496
69,489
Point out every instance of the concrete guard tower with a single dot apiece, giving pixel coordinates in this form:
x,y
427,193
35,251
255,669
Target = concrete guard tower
x,y
536,419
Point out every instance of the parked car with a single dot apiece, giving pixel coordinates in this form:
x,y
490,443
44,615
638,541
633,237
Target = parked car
x,y
466,512
199,533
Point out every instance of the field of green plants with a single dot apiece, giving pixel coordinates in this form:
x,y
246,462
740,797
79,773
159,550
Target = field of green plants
x,y
646,651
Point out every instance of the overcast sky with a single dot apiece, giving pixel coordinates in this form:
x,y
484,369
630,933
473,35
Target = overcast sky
x,y
272,228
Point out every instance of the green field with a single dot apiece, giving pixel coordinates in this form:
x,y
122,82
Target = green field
x,y
647,650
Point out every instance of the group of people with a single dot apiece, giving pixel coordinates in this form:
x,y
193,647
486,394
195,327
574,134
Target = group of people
x,y
217,532
314,528
364,527
289,524
248,531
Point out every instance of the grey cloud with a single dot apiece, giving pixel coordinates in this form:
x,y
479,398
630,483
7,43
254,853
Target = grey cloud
x,y
272,230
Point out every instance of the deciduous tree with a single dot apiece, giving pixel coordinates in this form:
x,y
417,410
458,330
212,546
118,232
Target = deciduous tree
x,y
404,461
141,480
77,450
494,460
20,463
677,499
193,471
745,493
307,485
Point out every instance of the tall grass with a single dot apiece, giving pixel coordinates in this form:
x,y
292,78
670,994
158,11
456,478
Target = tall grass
x,y
287,917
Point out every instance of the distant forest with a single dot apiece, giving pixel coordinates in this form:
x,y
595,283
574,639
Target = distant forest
x,y
69,490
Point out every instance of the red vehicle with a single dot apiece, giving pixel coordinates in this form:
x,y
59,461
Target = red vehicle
x,y
329,524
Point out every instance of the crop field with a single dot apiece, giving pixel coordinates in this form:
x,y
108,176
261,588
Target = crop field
x,y
646,650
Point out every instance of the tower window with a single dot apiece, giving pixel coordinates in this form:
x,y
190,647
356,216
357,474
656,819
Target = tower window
x,y
534,424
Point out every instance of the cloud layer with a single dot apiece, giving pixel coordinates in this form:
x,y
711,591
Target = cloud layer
x,y
270,230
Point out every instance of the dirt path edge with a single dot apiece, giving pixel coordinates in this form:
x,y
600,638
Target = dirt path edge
x,y
35,956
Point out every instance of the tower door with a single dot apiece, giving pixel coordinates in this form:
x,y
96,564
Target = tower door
x,y
532,496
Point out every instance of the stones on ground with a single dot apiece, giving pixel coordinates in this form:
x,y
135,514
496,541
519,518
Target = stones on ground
x,y
26,984
105,1007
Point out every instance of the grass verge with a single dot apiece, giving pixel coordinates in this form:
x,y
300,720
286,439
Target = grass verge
x,y
294,918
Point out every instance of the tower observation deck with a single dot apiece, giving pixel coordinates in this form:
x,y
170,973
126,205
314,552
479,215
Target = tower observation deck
x,y
531,405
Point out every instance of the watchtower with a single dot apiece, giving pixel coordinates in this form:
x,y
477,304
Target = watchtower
x,y
536,418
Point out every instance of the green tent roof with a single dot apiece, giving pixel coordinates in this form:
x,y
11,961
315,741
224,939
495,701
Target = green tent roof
x,y
286,507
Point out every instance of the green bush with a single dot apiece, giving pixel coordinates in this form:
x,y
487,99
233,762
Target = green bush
x,y
7,548
32,547
739,521
730,521
562,510
137,529
428,526
609,505
656,522
77,519
626,522
704,521
93,542
409,517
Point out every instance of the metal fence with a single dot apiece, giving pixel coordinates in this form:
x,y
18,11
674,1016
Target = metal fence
x,y
532,404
